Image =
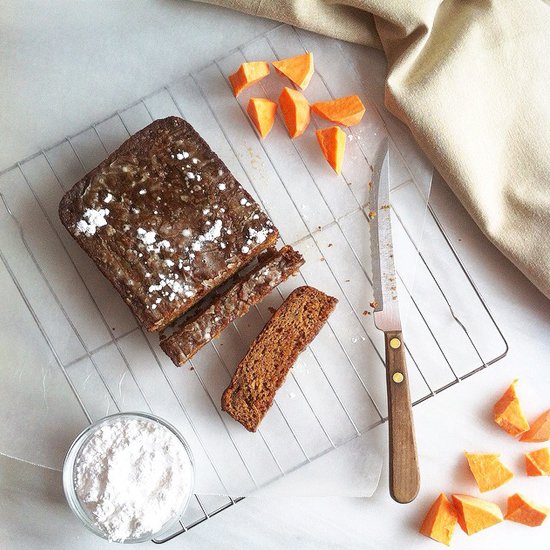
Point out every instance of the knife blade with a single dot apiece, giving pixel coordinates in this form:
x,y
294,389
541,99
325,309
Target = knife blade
x,y
404,472
386,303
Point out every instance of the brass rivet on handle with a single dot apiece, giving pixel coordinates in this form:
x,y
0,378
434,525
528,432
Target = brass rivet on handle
x,y
398,377
395,343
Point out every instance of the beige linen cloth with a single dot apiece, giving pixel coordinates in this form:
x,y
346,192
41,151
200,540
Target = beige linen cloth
x,y
471,79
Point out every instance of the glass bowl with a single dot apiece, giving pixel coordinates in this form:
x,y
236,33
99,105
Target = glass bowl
x,y
69,467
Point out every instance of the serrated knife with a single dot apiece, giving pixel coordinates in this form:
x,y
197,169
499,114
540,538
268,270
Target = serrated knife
x,y
404,473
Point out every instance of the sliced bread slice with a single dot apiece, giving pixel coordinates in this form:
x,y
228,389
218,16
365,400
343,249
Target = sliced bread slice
x,y
264,368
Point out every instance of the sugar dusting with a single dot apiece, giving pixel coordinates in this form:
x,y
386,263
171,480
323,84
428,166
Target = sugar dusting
x,y
91,220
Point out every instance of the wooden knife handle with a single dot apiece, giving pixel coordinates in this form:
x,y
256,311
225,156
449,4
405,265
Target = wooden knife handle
x,y
404,473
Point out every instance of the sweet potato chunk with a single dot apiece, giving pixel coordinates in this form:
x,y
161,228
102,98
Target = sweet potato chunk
x,y
540,429
248,74
537,463
262,113
523,511
508,413
347,111
475,514
298,69
489,472
295,109
440,521
333,144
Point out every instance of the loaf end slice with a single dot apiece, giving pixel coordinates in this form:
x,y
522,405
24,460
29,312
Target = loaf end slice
x,y
264,368
209,320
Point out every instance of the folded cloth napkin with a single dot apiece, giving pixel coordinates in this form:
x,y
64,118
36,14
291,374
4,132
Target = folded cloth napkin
x,y
471,79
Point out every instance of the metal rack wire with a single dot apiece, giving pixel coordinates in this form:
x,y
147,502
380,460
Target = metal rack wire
x,y
326,220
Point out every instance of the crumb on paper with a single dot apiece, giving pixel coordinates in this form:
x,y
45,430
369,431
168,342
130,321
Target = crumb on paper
x,y
372,214
272,310
385,207
366,312
370,184
322,259
329,245
374,304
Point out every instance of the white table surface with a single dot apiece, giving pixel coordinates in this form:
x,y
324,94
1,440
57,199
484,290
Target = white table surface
x,y
75,62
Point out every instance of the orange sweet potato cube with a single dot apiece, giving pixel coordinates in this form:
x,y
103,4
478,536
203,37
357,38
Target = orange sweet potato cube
x,y
248,74
298,69
475,514
333,144
540,429
440,521
295,110
347,111
508,413
489,472
537,463
262,113
523,511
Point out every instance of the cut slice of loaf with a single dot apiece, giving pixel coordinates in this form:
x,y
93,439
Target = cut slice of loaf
x,y
264,368
192,333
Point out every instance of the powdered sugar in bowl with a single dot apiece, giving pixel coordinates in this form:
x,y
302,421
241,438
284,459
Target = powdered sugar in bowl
x,y
129,477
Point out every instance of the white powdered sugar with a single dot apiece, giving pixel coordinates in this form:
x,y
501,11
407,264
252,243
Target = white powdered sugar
x,y
147,237
133,476
258,236
214,232
170,287
91,220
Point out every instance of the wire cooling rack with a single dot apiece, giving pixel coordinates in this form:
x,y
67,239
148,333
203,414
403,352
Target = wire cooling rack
x,y
337,389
